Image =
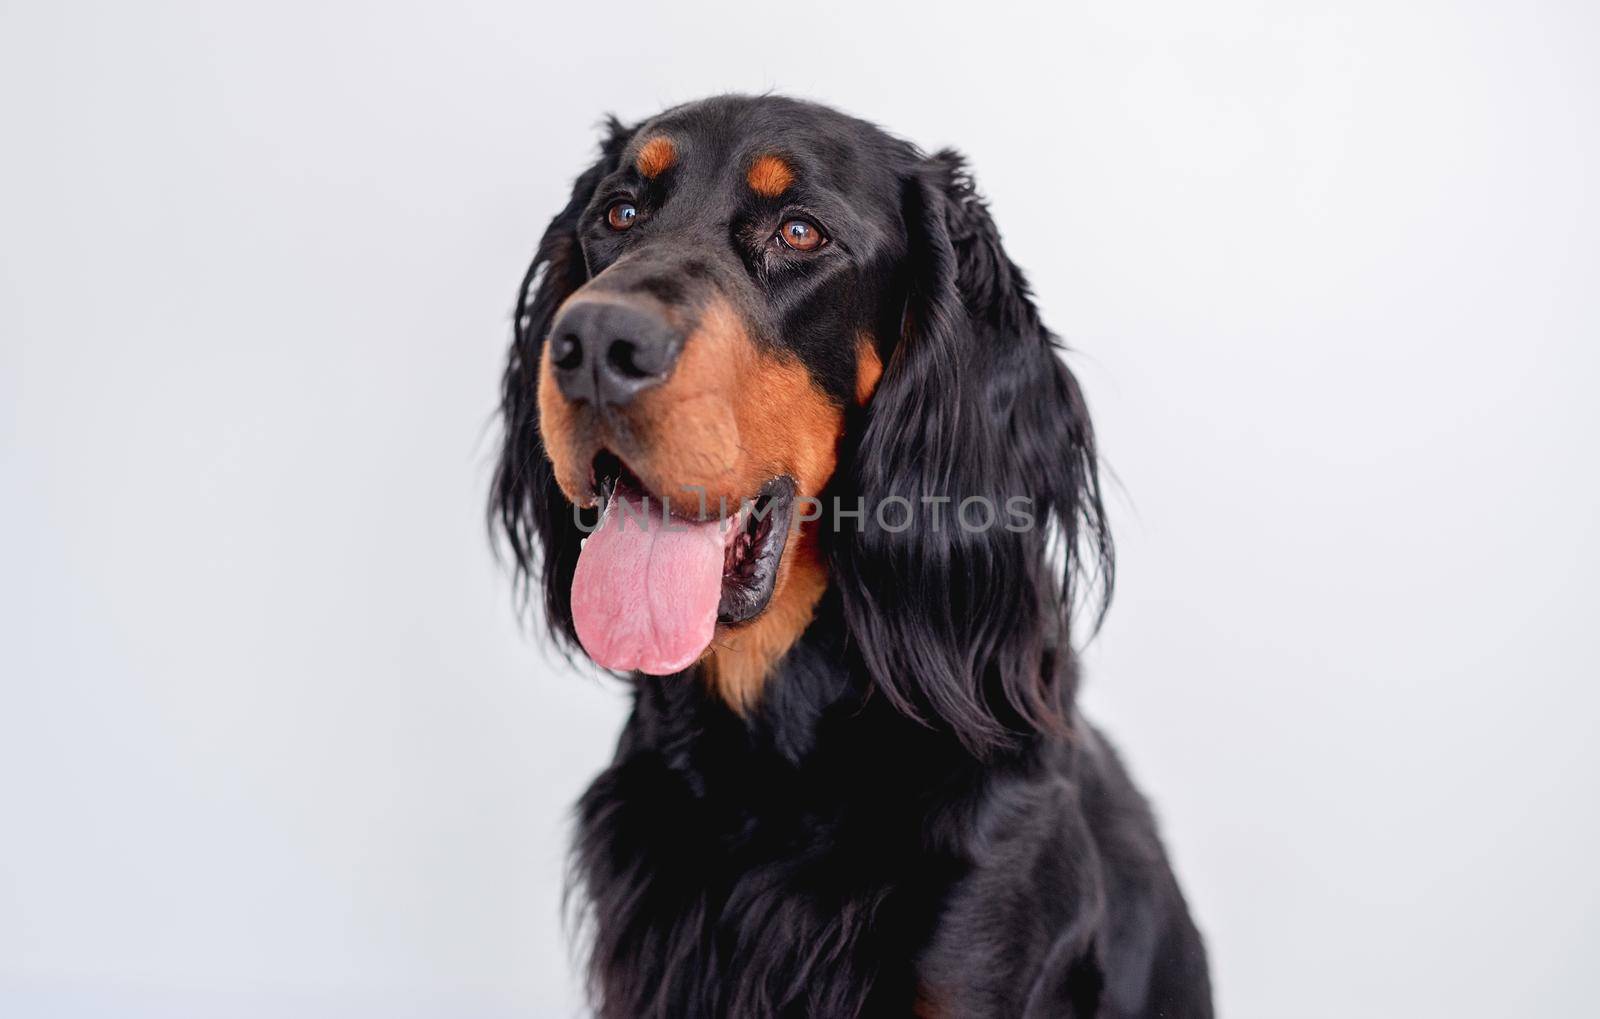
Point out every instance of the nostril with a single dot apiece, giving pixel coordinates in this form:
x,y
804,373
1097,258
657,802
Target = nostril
x,y
568,352
622,357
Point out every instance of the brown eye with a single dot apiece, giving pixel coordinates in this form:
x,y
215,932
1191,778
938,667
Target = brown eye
x,y
621,215
800,235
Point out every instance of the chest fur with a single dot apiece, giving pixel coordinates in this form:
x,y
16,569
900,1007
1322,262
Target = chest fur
x,y
709,905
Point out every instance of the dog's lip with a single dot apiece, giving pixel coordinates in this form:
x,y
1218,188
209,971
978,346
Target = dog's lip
x,y
750,574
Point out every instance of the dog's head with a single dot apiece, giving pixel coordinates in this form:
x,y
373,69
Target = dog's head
x,y
767,348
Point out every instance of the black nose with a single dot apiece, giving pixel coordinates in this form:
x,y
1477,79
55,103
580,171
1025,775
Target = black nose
x,y
608,352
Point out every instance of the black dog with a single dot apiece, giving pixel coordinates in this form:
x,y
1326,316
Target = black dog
x,y
854,782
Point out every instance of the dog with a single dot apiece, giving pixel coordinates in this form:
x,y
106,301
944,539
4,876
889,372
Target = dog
x,y
786,442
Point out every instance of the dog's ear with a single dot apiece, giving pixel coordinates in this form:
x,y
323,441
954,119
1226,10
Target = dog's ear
x,y
962,618
541,528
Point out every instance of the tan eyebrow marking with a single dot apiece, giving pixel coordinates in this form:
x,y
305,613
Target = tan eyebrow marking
x,y
769,176
656,157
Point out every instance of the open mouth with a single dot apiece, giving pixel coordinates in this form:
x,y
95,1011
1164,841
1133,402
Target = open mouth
x,y
758,535
654,580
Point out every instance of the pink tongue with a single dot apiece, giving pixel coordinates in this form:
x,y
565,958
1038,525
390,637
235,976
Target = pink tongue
x,y
646,589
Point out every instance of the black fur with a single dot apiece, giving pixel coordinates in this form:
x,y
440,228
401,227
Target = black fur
x,y
914,816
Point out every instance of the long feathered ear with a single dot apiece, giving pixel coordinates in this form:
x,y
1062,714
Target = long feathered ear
x,y
541,529
961,625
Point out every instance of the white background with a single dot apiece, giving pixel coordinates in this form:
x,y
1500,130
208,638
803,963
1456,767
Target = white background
x,y
271,743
